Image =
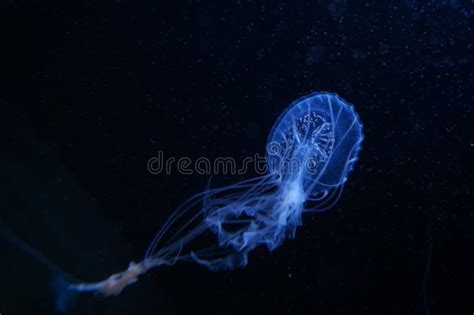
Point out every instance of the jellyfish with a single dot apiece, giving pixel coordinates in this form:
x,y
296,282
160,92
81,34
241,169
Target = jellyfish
x,y
310,152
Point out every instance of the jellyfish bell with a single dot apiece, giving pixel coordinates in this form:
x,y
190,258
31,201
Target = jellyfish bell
x,y
316,141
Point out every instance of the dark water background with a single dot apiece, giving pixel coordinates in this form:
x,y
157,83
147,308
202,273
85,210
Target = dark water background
x,y
90,91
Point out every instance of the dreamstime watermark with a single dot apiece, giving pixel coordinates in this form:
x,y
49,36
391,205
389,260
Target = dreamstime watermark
x,y
205,166
259,164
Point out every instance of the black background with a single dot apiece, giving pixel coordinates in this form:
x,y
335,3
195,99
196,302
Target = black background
x,y
91,90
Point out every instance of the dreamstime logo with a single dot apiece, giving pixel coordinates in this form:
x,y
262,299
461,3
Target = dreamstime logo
x,y
276,156
206,166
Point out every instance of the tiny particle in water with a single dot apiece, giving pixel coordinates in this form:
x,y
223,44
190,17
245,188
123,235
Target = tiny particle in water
x,y
315,54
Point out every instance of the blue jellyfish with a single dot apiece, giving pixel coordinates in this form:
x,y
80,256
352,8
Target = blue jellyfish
x,y
311,150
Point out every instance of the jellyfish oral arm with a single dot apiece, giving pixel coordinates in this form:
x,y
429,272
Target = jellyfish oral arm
x,y
114,284
294,193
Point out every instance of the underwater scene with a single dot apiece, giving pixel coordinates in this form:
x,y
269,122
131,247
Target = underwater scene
x,y
237,157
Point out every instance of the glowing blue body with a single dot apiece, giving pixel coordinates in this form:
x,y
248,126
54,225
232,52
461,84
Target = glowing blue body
x,y
310,152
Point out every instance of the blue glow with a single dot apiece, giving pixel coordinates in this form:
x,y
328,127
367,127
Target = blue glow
x,y
311,150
